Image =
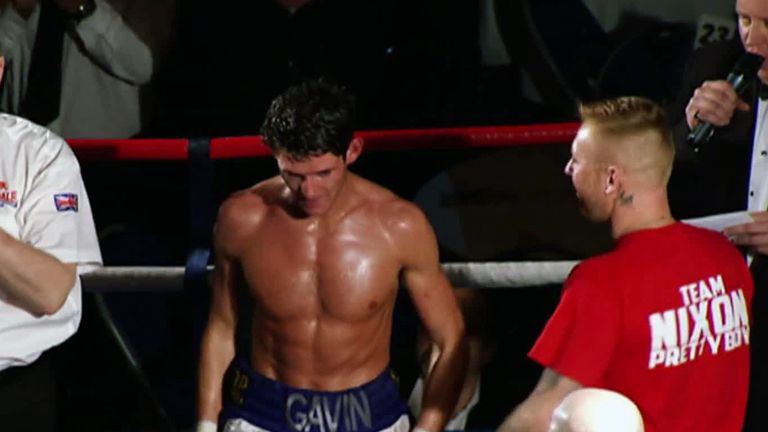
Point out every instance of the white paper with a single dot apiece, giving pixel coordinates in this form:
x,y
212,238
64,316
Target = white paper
x,y
721,221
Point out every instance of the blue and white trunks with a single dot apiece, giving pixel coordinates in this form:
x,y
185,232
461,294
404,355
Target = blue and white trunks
x,y
257,404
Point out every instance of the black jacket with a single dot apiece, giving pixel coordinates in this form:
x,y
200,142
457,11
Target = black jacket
x,y
716,178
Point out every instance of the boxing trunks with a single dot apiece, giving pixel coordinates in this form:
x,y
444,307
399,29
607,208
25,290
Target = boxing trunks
x,y
258,404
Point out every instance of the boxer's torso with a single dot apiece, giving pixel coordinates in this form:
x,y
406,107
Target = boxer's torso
x,y
323,290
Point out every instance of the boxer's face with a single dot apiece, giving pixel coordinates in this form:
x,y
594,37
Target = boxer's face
x,y
753,29
589,175
314,182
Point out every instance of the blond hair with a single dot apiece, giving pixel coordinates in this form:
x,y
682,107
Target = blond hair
x,y
634,133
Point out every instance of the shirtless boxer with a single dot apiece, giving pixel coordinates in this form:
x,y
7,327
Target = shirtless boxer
x,y
321,253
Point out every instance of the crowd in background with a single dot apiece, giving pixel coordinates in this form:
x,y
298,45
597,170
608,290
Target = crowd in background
x,y
188,69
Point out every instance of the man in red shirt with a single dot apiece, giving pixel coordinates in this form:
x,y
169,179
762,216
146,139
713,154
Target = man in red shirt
x,y
664,318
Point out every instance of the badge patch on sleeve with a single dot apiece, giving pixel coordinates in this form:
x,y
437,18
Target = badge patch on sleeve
x,y
65,202
8,197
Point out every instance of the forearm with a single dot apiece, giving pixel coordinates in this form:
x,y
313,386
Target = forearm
x,y
217,352
525,419
32,279
443,386
535,413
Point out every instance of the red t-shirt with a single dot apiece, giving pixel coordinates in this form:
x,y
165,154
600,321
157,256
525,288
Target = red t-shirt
x,y
662,319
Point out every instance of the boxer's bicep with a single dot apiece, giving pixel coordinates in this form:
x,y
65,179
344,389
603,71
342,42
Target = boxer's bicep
x,y
429,288
225,235
223,310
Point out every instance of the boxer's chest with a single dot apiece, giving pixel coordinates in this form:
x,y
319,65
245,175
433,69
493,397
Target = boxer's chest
x,y
341,273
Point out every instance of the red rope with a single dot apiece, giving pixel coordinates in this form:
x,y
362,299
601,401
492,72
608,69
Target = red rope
x,y
392,140
130,149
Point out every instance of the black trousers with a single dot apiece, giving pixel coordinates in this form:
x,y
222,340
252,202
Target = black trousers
x,y
757,412
28,397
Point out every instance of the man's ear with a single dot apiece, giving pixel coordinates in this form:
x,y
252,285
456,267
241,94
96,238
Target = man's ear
x,y
2,68
354,150
612,180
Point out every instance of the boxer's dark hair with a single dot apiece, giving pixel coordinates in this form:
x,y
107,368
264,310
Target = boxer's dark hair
x,y
310,119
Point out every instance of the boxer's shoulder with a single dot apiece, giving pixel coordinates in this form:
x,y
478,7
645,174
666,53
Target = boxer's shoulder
x,y
406,225
244,211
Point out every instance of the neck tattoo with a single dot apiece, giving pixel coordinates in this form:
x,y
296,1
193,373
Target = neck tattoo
x,y
625,199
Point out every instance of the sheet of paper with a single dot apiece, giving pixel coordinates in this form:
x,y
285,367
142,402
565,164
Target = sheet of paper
x,y
721,221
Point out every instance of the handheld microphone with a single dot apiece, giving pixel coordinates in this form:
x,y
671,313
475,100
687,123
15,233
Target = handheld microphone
x,y
738,78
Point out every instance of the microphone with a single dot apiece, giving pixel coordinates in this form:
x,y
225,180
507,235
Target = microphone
x,y
738,78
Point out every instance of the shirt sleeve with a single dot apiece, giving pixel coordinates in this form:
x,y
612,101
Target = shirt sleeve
x,y
115,46
17,37
579,339
55,213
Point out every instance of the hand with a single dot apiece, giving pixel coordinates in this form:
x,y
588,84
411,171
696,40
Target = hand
x,y
753,235
714,102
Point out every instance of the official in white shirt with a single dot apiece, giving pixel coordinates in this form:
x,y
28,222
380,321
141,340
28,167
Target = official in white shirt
x,y
47,238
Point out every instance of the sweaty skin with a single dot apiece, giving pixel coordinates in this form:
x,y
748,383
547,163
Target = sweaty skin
x,y
323,271
324,290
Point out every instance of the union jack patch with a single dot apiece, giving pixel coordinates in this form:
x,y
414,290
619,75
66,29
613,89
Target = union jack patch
x,y
65,202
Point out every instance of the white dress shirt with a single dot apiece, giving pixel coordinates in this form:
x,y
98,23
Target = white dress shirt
x,y
758,174
43,203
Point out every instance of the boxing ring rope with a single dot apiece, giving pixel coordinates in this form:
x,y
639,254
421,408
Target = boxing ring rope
x,y
515,274
468,274
390,140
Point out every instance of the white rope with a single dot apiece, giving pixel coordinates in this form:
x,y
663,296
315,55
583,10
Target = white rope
x,y
107,279
514,274
508,274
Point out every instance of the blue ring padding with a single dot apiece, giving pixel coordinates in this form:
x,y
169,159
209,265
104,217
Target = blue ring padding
x,y
201,210
195,271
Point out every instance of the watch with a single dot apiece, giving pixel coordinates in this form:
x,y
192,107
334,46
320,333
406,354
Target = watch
x,y
86,9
